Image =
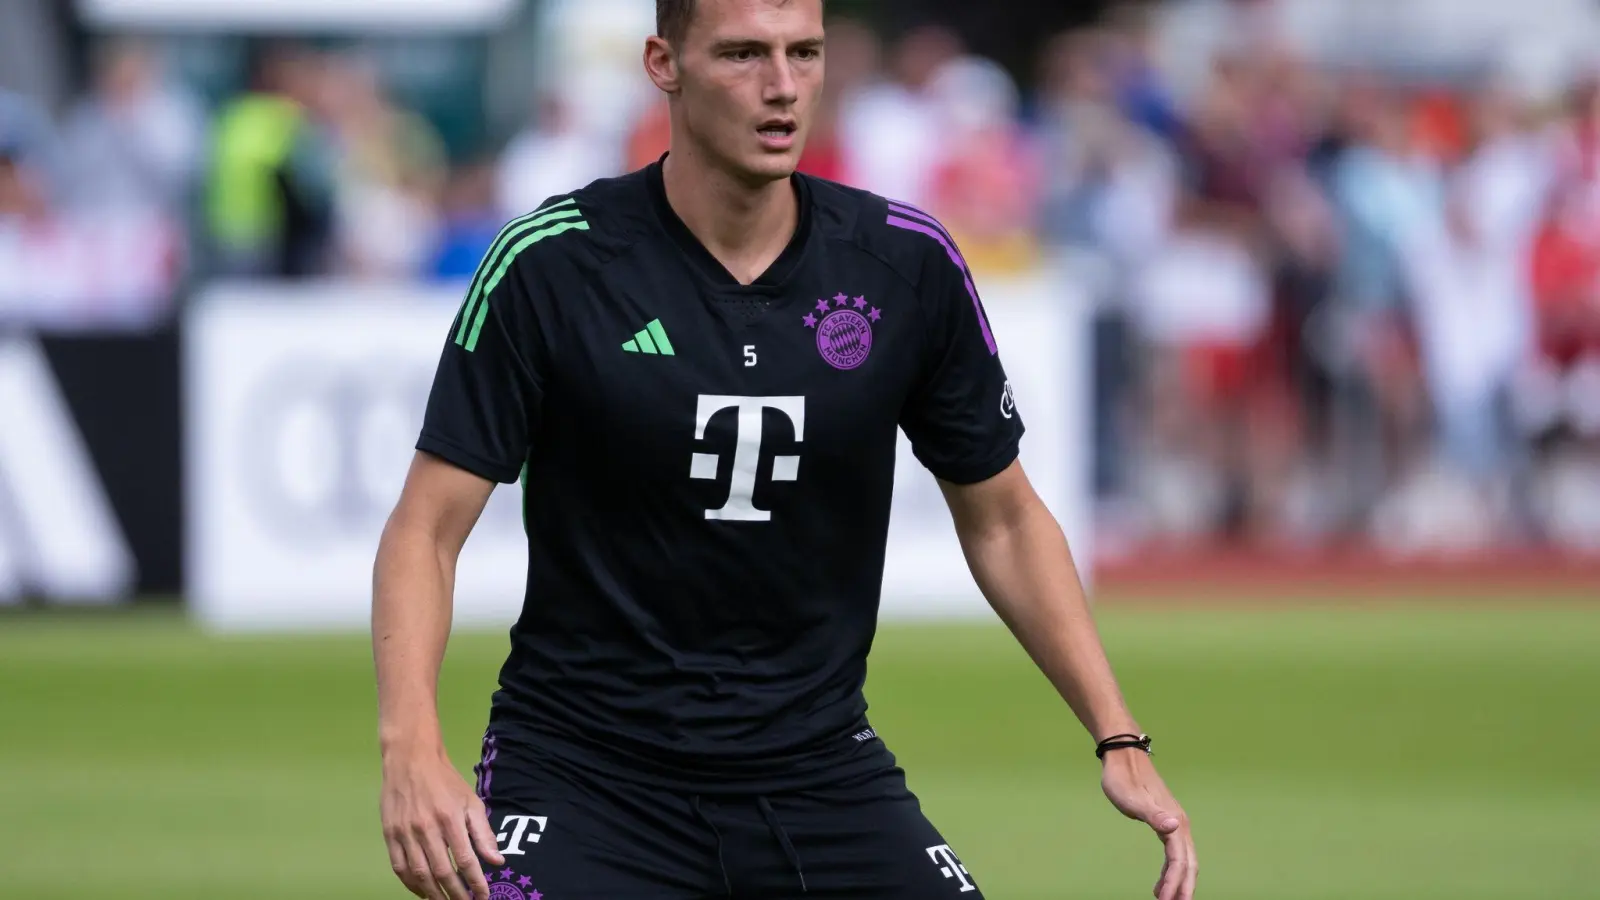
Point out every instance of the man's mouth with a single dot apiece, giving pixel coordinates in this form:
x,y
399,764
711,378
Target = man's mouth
x,y
777,128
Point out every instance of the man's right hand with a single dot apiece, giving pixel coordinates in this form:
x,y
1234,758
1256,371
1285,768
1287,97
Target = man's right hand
x,y
433,823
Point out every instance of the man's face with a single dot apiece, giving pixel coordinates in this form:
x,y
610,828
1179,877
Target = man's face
x,y
750,79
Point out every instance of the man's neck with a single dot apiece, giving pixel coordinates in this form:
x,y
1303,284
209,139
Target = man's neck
x,y
746,228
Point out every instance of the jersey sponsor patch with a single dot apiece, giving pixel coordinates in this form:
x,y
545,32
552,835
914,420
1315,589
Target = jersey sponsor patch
x,y
951,867
516,831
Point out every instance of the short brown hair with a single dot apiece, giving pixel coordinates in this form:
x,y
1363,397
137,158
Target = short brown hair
x,y
673,18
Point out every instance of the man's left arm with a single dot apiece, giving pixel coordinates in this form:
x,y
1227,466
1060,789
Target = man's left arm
x,y
964,426
1020,560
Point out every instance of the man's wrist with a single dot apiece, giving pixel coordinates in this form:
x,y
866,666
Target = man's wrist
x,y
402,744
1122,741
1127,727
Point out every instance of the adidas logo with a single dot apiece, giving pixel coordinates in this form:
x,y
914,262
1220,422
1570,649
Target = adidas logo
x,y
652,340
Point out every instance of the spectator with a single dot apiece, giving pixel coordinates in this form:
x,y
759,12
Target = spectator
x,y
1566,257
1108,197
1107,181
390,170
1472,288
30,139
552,155
1220,381
269,199
1386,194
985,186
469,221
23,214
135,143
1140,87
853,63
1558,393
890,130
67,271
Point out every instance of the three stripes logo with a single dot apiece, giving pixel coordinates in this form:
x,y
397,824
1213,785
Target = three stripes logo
x,y
519,235
652,340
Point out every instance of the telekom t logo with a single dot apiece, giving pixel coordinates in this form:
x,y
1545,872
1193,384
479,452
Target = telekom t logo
x,y
950,867
516,828
740,505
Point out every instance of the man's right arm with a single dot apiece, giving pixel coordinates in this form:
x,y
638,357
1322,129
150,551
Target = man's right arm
x,y
432,821
477,430
413,584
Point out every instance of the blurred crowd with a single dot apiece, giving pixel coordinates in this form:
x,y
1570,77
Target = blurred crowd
x,y
1328,304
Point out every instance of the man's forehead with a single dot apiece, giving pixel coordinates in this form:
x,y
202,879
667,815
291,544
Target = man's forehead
x,y
723,19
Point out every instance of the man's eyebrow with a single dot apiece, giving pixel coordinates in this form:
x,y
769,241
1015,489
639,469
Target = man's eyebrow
x,y
726,45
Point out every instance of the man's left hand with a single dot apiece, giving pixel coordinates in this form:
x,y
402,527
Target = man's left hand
x,y
1133,787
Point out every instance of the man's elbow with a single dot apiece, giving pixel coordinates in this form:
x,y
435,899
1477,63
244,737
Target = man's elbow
x,y
998,507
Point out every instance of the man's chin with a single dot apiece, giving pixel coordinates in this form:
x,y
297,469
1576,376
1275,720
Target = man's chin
x,y
769,167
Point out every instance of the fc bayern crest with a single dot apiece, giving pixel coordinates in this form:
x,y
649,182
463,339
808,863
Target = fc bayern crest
x,y
844,330
508,885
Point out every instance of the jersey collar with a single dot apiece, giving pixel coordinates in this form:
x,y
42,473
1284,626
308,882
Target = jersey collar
x,y
705,262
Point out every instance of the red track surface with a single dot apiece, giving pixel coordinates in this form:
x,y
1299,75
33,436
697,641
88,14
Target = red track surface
x,y
1210,574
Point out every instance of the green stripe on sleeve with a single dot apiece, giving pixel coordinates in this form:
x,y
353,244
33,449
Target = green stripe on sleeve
x,y
507,234
484,265
505,266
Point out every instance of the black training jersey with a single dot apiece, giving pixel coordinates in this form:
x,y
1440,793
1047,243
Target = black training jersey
x,y
707,469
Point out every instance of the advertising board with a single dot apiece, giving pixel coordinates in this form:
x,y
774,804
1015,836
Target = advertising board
x,y
303,404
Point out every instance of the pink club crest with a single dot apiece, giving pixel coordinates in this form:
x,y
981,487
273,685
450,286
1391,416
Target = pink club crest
x,y
508,885
844,330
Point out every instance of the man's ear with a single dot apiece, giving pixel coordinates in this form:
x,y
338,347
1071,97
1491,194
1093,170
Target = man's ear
x,y
661,64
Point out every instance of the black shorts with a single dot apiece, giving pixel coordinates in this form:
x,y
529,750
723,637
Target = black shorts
x,y
568,834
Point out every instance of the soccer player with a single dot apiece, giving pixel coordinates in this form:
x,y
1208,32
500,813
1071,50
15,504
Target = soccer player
x,y
698,372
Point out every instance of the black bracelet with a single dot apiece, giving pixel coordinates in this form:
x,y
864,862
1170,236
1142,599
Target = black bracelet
x,y
1122,742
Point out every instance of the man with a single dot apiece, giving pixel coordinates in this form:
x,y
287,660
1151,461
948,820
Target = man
x,y
698,371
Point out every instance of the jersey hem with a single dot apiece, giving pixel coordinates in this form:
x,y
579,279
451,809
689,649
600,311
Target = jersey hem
x,y
465,459
819,768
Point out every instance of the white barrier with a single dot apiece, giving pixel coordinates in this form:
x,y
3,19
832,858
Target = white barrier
x,y
302,406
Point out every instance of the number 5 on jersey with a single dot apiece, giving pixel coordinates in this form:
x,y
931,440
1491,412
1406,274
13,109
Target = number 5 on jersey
x,y
740,505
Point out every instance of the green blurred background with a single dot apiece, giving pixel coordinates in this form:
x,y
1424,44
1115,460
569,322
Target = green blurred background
x,y
1402,748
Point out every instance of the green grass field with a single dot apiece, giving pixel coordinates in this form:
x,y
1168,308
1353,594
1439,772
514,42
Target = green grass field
x,y
1417,752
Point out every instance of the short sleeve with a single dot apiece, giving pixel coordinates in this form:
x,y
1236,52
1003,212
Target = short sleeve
x,y
484,406
961,417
